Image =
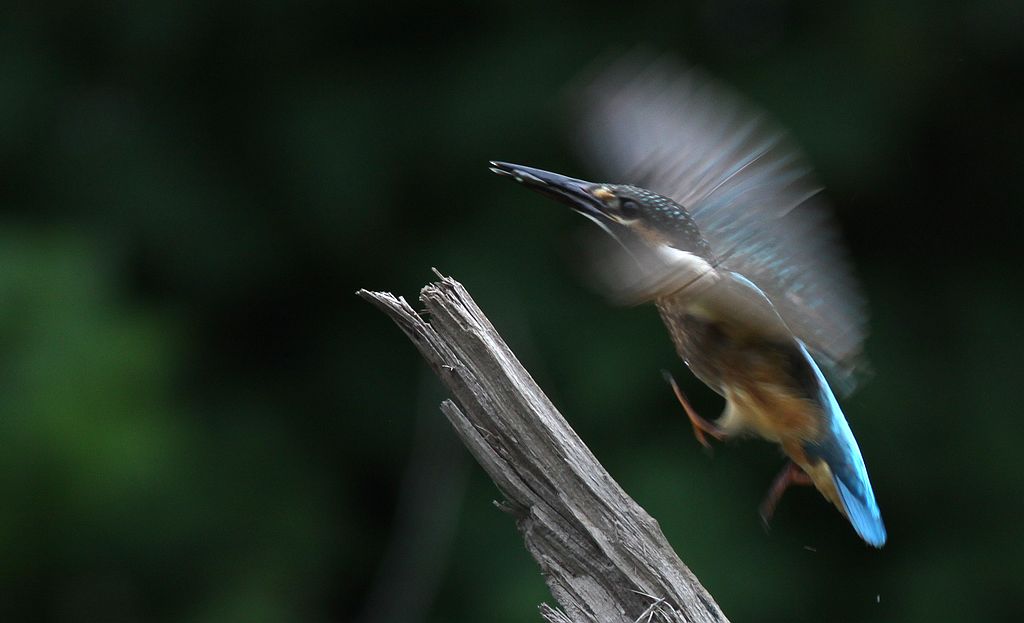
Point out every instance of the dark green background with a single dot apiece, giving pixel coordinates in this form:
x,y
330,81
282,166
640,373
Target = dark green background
x,y
199,421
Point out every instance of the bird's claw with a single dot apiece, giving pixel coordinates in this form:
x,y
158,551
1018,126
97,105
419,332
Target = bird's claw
x,y
700,425
791,474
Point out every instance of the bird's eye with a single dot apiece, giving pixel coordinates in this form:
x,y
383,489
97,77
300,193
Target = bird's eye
x,y
629,209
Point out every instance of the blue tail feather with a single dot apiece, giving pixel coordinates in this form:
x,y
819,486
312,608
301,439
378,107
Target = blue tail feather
x,y
863,514
839,450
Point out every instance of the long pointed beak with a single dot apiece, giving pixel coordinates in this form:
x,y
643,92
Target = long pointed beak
x,y
570,191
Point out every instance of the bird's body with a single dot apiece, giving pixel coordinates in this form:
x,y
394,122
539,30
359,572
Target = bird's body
x,y
716,230
774,390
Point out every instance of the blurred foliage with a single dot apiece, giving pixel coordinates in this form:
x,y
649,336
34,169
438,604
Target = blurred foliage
x,y
200,422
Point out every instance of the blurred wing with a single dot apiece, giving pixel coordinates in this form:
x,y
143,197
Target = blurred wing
x,y
676,132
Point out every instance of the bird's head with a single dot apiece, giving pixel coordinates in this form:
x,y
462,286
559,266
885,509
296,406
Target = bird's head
x,y
664,250
630,214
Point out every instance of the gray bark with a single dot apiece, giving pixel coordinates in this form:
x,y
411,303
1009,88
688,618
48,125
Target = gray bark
x,y
603,557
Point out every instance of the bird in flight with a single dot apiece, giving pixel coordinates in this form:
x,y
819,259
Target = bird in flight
x,y
712,215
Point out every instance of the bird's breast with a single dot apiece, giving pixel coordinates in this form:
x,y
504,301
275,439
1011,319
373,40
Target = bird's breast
x,y
768,386
772,411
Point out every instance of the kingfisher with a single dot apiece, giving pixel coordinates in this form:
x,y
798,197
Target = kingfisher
x,y
715,219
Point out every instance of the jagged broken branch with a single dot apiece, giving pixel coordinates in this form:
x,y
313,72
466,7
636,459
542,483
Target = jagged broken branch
x,y
602,555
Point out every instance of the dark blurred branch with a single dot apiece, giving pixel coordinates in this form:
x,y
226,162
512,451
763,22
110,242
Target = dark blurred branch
x,y
426,519
602,555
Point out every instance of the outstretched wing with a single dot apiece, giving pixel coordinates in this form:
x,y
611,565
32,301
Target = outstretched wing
x,y
679,133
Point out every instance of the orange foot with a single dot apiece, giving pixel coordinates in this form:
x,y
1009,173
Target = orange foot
x,y
791,474
700,425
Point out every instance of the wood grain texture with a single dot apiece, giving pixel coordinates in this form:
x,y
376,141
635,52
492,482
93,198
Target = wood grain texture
x,y
603,557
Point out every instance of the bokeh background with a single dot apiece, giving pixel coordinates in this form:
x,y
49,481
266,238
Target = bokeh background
x,y
199,421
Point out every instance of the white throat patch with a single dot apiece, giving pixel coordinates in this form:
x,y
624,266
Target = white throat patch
x,y
684,260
